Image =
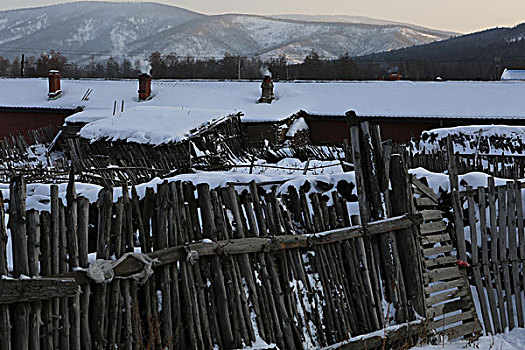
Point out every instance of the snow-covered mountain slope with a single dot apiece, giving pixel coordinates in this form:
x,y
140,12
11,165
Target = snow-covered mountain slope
x,y
138,29
85,27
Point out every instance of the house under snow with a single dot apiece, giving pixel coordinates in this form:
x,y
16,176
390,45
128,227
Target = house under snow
x,y
111,109
513,74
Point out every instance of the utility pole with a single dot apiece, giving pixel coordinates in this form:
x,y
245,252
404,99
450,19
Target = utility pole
x,y
497,59
22,65
239,68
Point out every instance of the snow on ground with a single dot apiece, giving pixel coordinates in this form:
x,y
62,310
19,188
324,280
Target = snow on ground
x,y
487,139
513,340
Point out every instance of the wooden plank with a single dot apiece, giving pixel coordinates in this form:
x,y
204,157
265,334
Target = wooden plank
x,y
433,239
395,338
431,214
513,248
451,319
5,322
432,227
493,219
447,295
482,300
29,290
492,299
473,226
502,223
515,270
444,309
508,294
441,286
519,218
511,221
425,202
425,189
439,261
447,248
483,225
455,199
463,330
17,224
444,274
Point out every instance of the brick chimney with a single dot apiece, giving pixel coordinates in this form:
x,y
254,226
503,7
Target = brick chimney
x,y
267,90
144,87
54,84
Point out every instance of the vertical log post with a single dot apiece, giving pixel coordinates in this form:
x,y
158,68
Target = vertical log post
x,y
17,225
364,245
104,204
73,258
55,244
456,202
5,322
83,228
33,235
410,256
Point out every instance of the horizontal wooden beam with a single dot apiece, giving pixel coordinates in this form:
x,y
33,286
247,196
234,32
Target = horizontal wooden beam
x,y
259,244
383,339
34,289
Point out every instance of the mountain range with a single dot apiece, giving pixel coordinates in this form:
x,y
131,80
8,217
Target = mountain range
x,y
134,30
488,45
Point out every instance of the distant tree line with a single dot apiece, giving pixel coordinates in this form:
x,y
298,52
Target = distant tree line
x,y
313,67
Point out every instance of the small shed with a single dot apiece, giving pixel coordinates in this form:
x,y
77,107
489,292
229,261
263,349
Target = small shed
x,y
148,141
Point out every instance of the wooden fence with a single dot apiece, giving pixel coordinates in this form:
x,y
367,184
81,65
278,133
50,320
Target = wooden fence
x,y
495,249
231,267
496,165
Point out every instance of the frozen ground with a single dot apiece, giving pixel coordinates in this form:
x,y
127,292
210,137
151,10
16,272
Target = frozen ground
x,y
514,340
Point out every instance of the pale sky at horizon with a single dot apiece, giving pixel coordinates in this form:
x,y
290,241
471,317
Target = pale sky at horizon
x,y
462,16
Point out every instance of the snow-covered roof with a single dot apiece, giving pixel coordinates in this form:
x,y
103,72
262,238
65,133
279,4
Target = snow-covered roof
x,y
463,99
151,124
513,74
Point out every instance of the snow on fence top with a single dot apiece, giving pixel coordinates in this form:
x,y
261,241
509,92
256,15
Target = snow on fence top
x,y
39,194
373,98
487,139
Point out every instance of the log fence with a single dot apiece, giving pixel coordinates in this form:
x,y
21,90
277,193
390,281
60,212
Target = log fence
x,y
495,250
232,266
503,166
236,265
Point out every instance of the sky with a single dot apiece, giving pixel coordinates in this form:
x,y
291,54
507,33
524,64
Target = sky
x,y
463,16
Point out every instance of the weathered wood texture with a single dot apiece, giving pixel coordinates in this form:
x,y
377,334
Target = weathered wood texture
x,y
450,306
210,146
234,265
495,243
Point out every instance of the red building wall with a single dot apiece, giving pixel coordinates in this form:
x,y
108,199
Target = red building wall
x,y
335,131
14,122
